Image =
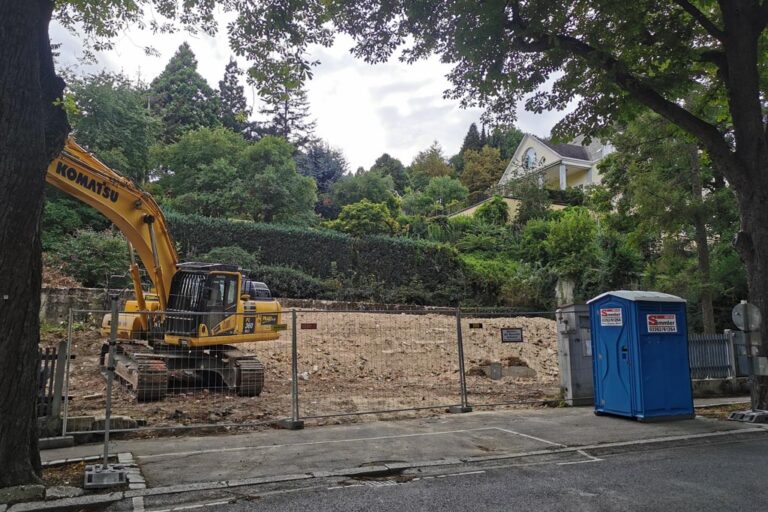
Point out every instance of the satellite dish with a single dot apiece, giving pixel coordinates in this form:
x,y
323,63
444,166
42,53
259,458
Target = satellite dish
x,y
746,312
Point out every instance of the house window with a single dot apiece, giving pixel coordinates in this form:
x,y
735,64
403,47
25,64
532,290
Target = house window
x,y
529,161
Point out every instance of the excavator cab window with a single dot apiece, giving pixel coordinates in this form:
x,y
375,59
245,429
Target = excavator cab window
x,y
222,298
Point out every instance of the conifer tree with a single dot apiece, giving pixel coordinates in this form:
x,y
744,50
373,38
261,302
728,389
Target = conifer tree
x,y
233,108
182,98
472,140
323,163
287,109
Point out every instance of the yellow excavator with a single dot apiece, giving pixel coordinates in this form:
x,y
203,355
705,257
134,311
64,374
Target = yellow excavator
x,y
185,326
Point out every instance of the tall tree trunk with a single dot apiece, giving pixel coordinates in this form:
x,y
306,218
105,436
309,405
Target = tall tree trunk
x,y
752,244
32,131
702,244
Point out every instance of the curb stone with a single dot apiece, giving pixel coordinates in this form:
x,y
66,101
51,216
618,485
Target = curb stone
x,y
95,499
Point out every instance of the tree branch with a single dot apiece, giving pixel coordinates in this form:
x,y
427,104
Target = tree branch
x,y
699,16
707,133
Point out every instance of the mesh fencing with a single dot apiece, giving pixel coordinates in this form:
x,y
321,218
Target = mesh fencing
x,y
346,363
356,363
163,387
510,357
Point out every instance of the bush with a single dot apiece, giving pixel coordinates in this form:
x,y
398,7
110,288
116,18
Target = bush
x,y
289,282
495,212
93,257
231,255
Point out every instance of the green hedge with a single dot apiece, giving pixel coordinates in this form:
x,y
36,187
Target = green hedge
x,y
292,283
379,267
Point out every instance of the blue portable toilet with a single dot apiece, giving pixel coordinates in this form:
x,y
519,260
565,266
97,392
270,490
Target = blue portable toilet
x,y
640,355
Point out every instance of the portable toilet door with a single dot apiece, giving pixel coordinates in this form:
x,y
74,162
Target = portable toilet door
x,y
611,345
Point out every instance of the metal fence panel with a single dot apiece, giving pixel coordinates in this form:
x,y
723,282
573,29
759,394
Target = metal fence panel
x,y
353,362
511,357
178,388
710,356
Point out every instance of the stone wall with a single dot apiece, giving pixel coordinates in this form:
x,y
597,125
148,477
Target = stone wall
x,y
55,303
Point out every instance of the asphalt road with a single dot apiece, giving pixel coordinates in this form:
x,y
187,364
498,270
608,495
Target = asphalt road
x,y
709,477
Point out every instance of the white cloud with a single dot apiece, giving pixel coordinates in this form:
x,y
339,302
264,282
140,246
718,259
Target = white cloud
x,y
364,110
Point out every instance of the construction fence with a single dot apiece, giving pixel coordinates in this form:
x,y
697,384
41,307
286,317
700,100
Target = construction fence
x,y
310,364
316,365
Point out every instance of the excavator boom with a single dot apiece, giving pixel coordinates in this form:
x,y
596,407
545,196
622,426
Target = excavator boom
x,y
137,215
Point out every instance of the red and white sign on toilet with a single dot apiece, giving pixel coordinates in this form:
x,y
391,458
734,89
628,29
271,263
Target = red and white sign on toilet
x,y
662,323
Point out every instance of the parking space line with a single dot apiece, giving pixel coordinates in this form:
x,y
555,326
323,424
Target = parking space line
x,y
310,443
552,443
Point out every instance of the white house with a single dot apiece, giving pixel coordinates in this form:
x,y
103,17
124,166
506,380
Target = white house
x,y
558,166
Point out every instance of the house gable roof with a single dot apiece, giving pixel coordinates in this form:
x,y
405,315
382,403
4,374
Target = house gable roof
x,y
568,150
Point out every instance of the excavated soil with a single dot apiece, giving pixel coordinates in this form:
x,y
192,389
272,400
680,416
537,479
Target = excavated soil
x,y
348,363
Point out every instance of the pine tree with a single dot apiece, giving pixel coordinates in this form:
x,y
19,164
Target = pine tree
x,y
323,163
472,140
288,112
182,98
233,108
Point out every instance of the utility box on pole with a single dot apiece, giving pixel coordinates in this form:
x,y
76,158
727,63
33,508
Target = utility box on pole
x,y
574,348
640,343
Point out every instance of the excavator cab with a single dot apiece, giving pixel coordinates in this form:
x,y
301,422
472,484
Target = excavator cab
x,y
212,303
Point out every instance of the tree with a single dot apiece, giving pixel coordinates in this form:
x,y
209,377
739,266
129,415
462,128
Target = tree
x,y
482,170
273,190
233,107
656,178
33,128
182,98
112,121
365,218
287,109
472,140
367,185
570,242
193,164
217,173
442,195
429,163
323,163
446,191
505,138
389,166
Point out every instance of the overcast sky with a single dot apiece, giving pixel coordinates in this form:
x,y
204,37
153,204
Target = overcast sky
x,y
363,110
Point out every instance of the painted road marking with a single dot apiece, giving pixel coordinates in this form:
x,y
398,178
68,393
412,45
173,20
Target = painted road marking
x,y
531,437
312,443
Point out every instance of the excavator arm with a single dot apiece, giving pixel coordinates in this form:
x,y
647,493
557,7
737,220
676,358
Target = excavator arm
x,y
81,175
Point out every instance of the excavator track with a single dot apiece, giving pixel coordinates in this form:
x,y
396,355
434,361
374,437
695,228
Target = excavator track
x,y
142,372
250,376
248,371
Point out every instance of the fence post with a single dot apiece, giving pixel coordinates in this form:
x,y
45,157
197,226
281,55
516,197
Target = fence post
x,y
293,423
58,378
106,475
66,375
110,376
731,352
464,407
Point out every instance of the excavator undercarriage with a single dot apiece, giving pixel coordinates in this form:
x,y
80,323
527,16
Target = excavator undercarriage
x,y
151,372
